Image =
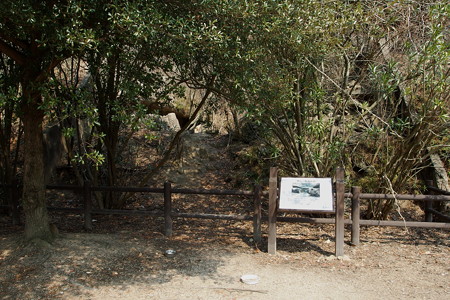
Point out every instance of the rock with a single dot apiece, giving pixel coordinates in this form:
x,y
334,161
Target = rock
x,y
344,258
440,178
199,129
440,173
171,121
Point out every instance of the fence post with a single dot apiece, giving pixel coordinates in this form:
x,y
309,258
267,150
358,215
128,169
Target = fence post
x,y
429,204
257,214
87,199
339,218
356,191
168,209
273,193
14,196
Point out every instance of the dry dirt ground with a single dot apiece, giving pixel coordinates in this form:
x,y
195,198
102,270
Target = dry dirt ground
x,y
123,257
211,256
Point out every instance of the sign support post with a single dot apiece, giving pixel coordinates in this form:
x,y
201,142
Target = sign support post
x,y
273,195
339,218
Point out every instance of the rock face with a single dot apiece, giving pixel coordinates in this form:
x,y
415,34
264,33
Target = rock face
x,y
440,178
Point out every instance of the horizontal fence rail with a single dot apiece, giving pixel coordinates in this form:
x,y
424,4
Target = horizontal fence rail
x,y
405,197
213,216
356,222
126,189
364,222
168,213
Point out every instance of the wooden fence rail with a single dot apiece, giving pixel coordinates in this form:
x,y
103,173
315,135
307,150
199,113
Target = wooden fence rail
x,y
356,222
168,214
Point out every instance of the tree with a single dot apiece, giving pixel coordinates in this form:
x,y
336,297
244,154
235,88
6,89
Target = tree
x,y
38,35
410,81
281,84
269,58
305,64
133,66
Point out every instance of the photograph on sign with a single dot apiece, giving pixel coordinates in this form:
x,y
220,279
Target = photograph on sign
x,y
310,194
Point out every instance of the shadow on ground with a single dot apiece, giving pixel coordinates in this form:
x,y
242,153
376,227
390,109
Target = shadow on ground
x,y
77,262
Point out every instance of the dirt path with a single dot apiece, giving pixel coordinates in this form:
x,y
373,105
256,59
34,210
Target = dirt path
x,y
391,265
285,281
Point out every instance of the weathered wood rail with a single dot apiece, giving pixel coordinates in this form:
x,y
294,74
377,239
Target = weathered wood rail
x,y
257,194
356,221
168,214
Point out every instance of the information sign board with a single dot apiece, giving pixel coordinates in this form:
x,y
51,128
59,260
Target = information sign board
x,y
306,194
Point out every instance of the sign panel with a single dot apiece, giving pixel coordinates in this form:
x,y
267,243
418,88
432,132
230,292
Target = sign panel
x,y
308,194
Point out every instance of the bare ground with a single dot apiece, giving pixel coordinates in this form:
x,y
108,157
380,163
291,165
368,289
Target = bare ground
x,y
123,257
211,258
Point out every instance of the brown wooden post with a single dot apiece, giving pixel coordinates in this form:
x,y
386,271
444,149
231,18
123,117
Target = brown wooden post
x,y
273,195
356,211
168,223
429,204
340,190
14,196
87,199
257,214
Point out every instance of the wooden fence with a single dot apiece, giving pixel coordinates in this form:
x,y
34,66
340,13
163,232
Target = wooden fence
x,y
168,214
356,221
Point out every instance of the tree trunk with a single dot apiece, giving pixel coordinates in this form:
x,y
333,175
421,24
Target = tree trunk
x,y
33,199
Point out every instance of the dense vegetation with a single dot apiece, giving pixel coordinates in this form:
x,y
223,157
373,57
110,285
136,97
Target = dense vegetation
x,y
362,84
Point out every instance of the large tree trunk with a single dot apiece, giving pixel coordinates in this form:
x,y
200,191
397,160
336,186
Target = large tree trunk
x,y
33,199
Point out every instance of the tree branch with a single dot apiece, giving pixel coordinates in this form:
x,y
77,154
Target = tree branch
x,y
12,53
17,42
